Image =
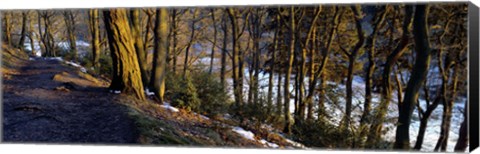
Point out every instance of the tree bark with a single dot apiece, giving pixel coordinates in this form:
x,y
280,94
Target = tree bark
x,y
138,44
271,72
8,28
70,25
190,43
224,51
214,43
157,80
462,141
126,72
418,76
352,55
288,71
237,72
379,115
371,52
93,20
23,34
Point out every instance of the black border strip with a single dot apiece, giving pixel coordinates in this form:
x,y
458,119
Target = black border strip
x,y
473,43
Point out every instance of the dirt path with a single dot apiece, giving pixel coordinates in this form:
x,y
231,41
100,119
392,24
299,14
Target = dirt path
x,y
35,109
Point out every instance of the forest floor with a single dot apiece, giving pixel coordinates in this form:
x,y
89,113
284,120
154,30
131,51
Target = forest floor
x,y
47,101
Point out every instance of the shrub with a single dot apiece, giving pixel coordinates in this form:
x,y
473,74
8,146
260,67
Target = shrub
x,y
258,111
104,66
200,92
183,93
318,134
213,95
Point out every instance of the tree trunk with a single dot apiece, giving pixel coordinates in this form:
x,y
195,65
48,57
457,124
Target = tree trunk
x,y
146,40
23,34
157,80
224,51
8,28
447,111
320,72
31,35
138,44
175,31
365,119
379,116
237,72
70,25
279,92
126,74
418,76
93,19
462,142
288,71
351,63
271,72
214,43
190,43
424,121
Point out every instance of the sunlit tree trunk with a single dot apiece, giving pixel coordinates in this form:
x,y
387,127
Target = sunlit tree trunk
x,y
138,44
93,20
157,80
8,27
237,72
126,72
288,71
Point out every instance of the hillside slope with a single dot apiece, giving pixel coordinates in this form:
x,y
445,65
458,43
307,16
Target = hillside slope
x,y
54,101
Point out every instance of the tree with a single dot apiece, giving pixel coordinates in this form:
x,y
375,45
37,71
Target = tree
x,y
70,25
214,43
224,50
371,41
46,37
8,28
138,43
381,110
93,25
418,76
462,141
157,80
237,64
23,35
288,71
126,71
191,41
352,55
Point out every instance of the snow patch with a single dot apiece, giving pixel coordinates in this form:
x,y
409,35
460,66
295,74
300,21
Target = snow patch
x,y
169,107
148,92
246,134
82,69
269,144
204,117
54,58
